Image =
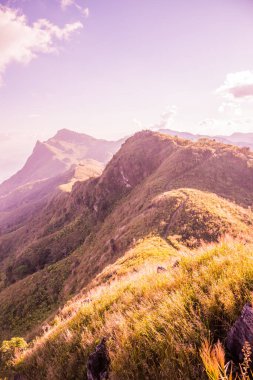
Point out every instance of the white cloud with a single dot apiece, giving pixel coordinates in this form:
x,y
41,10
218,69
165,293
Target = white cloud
x,y
68,3
238,86
21,42
138,124
169,113
85,12
167,118
224,126
229,107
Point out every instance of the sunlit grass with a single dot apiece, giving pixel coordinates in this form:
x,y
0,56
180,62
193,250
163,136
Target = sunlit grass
x,y
155,323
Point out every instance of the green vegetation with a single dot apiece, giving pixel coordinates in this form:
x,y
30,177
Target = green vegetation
x,y
9,350
27,303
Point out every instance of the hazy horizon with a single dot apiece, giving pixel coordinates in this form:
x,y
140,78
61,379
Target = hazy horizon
x,y
110,69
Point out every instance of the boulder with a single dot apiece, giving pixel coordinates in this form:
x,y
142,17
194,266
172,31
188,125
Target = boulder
x,y
241,332
161,270
98,363
176,264
18,376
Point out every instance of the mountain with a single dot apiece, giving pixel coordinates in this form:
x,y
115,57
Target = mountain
x,y
54,165
239,139
57,155
83,266
183,135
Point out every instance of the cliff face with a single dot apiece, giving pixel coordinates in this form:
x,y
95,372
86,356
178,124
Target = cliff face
x,y
37,168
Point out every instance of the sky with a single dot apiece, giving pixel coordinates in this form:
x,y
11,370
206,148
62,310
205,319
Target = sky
x,y
110,68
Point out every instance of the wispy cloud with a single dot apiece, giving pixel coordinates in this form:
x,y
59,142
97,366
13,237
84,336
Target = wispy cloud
x,y
230,107
138,124
21,42
65,4
215,126
167,118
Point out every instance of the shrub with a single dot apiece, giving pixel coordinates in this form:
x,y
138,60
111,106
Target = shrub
x,y
10,350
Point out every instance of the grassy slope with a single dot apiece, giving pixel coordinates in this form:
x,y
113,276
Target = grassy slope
x,y
168,164
183,216
154,322
204,217
151,205
27,303
56,225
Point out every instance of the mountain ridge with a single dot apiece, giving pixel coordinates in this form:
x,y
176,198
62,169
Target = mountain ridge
x,y
237,138
180,193
52,157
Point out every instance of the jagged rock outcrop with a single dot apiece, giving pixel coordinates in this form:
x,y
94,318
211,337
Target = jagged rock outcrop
x,y
99,363
241,332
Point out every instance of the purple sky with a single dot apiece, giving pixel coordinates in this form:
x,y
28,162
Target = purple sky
x,y
109,68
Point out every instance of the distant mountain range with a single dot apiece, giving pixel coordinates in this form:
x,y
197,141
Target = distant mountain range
x,y
237,138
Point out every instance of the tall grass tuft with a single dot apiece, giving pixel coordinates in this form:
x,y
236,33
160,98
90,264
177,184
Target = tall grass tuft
x,y
213,358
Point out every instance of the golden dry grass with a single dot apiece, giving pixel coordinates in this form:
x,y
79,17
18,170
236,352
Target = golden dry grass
x,y
155,323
